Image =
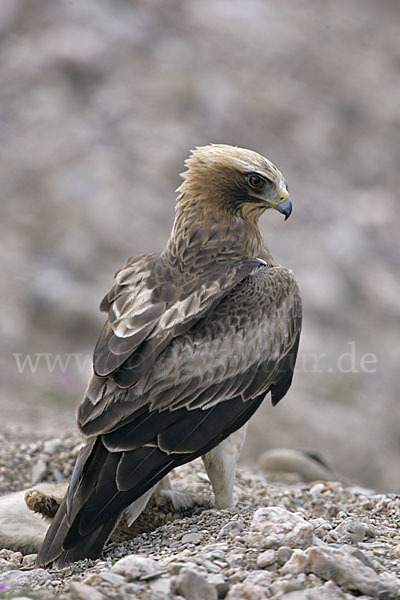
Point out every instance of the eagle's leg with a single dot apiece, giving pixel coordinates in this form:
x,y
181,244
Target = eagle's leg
x,y
180,500
220,464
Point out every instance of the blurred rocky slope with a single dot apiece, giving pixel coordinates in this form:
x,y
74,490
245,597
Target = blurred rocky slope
x,y
101,101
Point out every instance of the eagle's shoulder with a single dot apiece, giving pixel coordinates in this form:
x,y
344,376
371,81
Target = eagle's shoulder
x,y
157,297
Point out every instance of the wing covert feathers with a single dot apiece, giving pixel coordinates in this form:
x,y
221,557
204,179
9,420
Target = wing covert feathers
x,y
155,300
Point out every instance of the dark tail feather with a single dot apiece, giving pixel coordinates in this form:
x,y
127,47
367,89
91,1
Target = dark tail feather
x,y
89,546
102,486
104,483
84,482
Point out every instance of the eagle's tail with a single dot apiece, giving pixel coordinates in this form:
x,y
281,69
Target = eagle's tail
x,y
59,545
84,546
100,489
112,472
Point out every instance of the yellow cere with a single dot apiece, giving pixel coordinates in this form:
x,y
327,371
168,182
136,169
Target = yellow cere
x,y
283,194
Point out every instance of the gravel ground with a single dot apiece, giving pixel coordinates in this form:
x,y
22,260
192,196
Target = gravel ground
x,y
292,541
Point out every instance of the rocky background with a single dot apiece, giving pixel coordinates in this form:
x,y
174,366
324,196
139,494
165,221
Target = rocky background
x,y
101,101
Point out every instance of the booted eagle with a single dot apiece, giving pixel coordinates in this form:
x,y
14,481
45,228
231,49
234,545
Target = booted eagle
x,y
194,340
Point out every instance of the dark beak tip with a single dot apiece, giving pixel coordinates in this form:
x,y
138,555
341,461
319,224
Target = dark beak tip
x,y
285,208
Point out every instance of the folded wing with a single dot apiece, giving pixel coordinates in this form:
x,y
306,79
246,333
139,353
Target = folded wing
x,y
178,368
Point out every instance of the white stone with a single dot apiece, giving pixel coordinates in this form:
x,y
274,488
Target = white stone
x,y
338,565
231,529
210,566
266,558
259,577
82,591
247,591
274,526
51,446
136,567
329,591
161,585
193,586
112,578
29,560
6,565
317,489
39,470
216,579
350,530
174,567
296,563
191,538
25,579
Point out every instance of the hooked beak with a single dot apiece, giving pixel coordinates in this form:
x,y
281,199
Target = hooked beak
x,y
284,207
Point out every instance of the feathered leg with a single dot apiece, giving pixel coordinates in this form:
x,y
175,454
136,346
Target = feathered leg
x,y
180,500
220,464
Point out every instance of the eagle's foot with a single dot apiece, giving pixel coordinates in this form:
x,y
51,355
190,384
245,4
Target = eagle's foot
x,y
45,499
182,501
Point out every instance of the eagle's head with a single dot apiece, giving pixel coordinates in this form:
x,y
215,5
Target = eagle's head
x,y
234,180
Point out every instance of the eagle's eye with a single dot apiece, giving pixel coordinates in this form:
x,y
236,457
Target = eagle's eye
x,y
255,181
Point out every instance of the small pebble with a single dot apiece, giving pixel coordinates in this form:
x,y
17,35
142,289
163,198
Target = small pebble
x,y
283,554
266,558
317,489
52,446
247,591
112,578
296,563
193,586
211,567
39,470
191,538
81,591
161,585
136,567
29,560
232,529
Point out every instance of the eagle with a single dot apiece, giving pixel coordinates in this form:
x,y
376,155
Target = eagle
x,y
195,337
